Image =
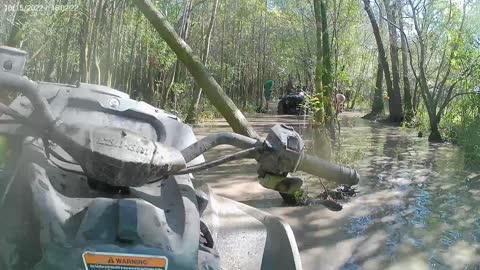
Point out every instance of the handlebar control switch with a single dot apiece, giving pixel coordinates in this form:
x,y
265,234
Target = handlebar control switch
x,y
12,60
283,151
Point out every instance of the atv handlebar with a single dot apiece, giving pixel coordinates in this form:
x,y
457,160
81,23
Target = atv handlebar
x,y
229,138
29,89
309,164
282,151
324,169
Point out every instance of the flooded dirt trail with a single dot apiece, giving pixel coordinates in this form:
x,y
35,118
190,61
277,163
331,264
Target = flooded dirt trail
x,y
418,208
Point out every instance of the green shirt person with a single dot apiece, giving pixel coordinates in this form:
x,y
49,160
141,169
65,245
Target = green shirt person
x,y
267,91
4,151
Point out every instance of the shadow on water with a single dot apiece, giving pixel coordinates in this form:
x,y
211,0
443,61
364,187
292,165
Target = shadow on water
x,y
417,207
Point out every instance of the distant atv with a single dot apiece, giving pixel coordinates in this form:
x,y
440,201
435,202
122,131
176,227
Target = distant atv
x,y
292,104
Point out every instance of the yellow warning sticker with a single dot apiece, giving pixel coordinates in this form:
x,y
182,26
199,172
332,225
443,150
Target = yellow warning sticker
x,y
117,261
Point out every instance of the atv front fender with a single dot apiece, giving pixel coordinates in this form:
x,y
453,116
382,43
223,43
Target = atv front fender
x,y
248,238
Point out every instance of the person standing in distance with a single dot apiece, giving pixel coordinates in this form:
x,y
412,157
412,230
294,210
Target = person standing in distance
x,y
267,92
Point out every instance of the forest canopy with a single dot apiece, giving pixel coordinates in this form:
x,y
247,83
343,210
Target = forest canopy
x,y
415,60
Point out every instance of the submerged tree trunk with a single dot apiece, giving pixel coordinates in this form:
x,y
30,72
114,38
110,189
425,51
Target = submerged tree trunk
x,y
377,106
394,102
396,98
407,96
197,93
432,96
213,91
327,81
322,141
435,135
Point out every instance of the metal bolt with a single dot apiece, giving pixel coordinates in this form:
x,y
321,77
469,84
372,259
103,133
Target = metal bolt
x,y
7,65
114,103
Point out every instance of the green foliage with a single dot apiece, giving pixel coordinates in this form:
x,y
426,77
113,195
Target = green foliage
x,y
298,197
461,124
179,88
421,121
208,114
252,41
313,103
470,140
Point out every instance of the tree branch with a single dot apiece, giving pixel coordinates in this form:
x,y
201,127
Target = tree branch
x,y
408,46
449,97
202,76
461,94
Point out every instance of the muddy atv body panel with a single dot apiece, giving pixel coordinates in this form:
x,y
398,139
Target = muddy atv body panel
x,y
52,217
292,104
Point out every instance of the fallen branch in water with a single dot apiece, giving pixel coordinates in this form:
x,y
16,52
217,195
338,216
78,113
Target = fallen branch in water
x,y
327,198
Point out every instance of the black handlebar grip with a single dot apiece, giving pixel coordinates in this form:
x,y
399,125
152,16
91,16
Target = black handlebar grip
x,y
329,171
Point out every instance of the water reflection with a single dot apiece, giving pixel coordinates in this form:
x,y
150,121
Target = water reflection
x,y
418,208
432,213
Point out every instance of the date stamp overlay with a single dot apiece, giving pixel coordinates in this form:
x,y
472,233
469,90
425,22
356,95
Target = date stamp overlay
x,y
38,8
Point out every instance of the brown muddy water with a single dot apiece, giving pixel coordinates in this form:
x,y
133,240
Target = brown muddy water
x,y
418,208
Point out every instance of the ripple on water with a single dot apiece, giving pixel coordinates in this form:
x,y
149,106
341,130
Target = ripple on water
x,y
358,225
417,193
350,265
449,238
476,230
422,200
